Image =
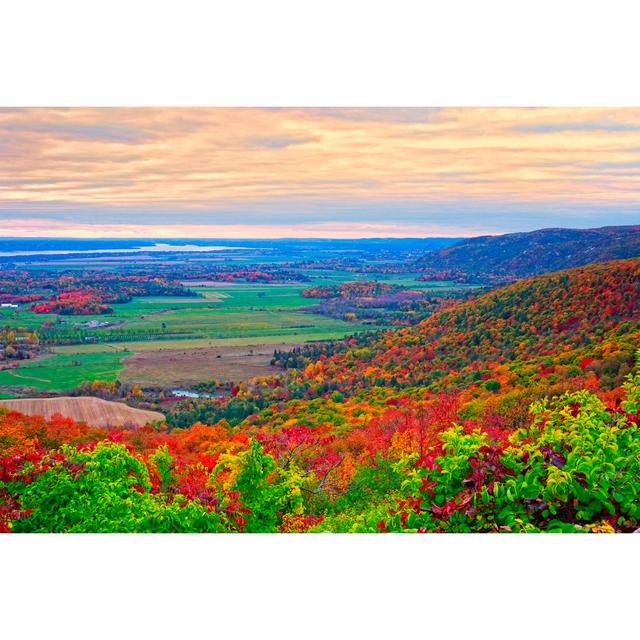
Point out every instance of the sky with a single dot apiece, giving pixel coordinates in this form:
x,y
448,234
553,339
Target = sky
x,y
315,172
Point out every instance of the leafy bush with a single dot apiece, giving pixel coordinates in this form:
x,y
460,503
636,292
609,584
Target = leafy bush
x,y
105,489
576,468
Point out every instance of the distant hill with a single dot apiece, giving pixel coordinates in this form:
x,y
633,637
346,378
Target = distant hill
x,y
535,252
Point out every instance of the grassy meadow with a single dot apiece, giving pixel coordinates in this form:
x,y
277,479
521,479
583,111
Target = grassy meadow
x,y
223,315
169,330
63,371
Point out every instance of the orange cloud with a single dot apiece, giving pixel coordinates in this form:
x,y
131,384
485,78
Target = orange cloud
x,y
293,162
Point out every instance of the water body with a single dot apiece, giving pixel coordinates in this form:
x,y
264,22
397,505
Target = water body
x,y
184,393
155,248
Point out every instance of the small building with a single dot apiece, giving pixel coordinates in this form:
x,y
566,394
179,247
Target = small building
x,y
97,324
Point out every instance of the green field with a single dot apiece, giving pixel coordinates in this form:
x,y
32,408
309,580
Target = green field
x,y
159,345
229,323
61,372
24,318
268,305
143,311
226,311
245,296
222,315
328,277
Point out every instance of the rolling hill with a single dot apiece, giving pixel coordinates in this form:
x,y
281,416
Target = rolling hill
x,y
554,320
536,252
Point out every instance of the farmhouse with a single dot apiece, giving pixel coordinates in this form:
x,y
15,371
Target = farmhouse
x,y
97,324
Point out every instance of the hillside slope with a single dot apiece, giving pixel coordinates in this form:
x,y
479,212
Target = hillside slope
x,y
536,252
538,337
554,319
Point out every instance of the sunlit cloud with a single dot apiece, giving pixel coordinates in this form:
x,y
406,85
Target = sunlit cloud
x,y
42,228
403,171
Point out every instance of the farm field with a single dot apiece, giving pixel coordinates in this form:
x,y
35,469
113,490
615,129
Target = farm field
x,y
322,277
169,345
94,411
225,323
176,340
147,333
183,367
221,312
242,296
63,371
409,280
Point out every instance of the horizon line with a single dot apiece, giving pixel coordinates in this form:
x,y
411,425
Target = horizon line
x,y
310,237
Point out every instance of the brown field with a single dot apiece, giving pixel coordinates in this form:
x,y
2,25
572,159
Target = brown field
x,y
187,366
93,411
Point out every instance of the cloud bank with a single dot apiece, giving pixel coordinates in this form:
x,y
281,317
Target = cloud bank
x,y
294,172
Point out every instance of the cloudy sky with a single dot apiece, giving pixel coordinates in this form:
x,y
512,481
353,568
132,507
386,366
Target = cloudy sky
x,y
326,172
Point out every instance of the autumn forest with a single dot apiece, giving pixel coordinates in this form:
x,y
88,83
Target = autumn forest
x,y
489,402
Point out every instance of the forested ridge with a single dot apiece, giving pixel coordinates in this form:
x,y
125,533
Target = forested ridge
x,y
534,252
543,319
